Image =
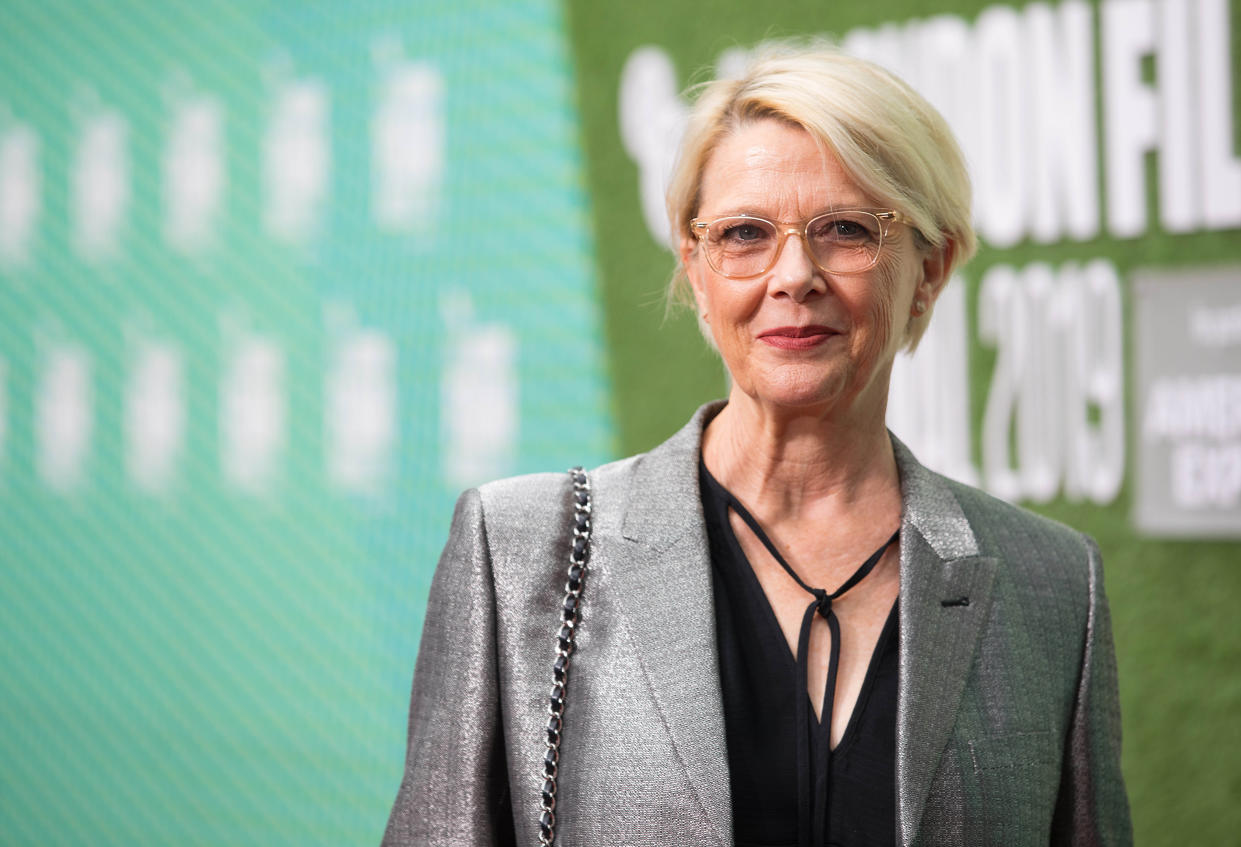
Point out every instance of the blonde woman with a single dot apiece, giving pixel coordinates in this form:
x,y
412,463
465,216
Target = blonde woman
x,y
791,632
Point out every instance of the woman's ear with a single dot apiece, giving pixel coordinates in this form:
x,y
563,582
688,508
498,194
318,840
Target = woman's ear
x,y
937,264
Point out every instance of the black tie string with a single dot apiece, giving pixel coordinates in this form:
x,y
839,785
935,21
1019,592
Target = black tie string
x,y
812,823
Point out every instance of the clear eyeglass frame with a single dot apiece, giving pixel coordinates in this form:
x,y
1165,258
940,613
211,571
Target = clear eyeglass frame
x,y
884,218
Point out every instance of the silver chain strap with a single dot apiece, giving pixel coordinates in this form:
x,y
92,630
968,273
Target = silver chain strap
x,y
564,649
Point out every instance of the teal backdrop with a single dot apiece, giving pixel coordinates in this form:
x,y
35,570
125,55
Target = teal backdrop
x,y
238,408
278,280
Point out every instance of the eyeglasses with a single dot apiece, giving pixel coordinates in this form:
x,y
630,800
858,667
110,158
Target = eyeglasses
x,y
843,242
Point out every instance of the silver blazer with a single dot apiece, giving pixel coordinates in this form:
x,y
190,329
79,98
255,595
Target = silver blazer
x,y
1008,728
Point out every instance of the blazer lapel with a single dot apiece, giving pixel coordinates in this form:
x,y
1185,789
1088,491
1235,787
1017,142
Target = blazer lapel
x,y
945,598
664,592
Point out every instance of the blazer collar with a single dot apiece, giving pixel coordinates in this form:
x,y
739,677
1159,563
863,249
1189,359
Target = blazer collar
x,y
664,504
664,477
665,592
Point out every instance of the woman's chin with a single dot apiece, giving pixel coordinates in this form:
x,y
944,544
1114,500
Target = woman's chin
x,y
803,394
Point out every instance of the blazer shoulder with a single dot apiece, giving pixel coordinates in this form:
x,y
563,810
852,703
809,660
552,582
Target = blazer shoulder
x,y
523,501
541,499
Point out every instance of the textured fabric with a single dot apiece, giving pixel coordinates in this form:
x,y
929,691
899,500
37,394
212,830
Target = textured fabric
x,y
767,716
1008,728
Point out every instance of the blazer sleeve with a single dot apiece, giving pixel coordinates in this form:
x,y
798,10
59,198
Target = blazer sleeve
x,y
455,787
1092,807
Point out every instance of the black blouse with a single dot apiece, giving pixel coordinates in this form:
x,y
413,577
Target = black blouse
x,y
781,792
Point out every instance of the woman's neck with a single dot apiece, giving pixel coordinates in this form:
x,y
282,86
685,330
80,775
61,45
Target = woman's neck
x,y
802,463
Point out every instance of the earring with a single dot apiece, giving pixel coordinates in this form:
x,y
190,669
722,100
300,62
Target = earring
x,y
919,307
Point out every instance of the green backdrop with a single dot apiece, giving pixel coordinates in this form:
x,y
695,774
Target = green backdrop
x,y
1173,600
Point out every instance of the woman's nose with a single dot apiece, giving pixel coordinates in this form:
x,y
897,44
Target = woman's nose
x,y
795,273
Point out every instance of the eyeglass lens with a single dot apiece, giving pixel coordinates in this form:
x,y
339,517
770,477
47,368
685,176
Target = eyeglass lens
x,y
844,242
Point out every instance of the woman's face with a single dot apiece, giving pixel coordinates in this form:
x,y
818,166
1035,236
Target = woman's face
x,y
797,336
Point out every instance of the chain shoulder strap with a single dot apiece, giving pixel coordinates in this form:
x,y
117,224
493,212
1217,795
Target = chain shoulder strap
x,y
565,639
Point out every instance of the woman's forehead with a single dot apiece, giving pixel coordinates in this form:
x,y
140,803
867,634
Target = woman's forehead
x,y
773,164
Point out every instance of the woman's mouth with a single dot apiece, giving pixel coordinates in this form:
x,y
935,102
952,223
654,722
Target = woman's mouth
x,y
797,337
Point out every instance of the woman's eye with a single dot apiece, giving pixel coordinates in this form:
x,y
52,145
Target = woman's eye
x,y
743,232
841,229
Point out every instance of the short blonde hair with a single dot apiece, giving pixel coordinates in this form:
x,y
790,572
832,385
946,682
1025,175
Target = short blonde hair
x,y
889,139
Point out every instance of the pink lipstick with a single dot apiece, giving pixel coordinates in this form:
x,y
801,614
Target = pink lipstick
x,y
797,337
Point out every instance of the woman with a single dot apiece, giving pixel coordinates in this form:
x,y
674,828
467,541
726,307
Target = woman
x,y
791,631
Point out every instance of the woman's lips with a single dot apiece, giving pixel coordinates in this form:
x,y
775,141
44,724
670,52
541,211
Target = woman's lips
x,y
797,337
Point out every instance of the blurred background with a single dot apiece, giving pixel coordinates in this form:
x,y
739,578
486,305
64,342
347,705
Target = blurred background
x,y
279,279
